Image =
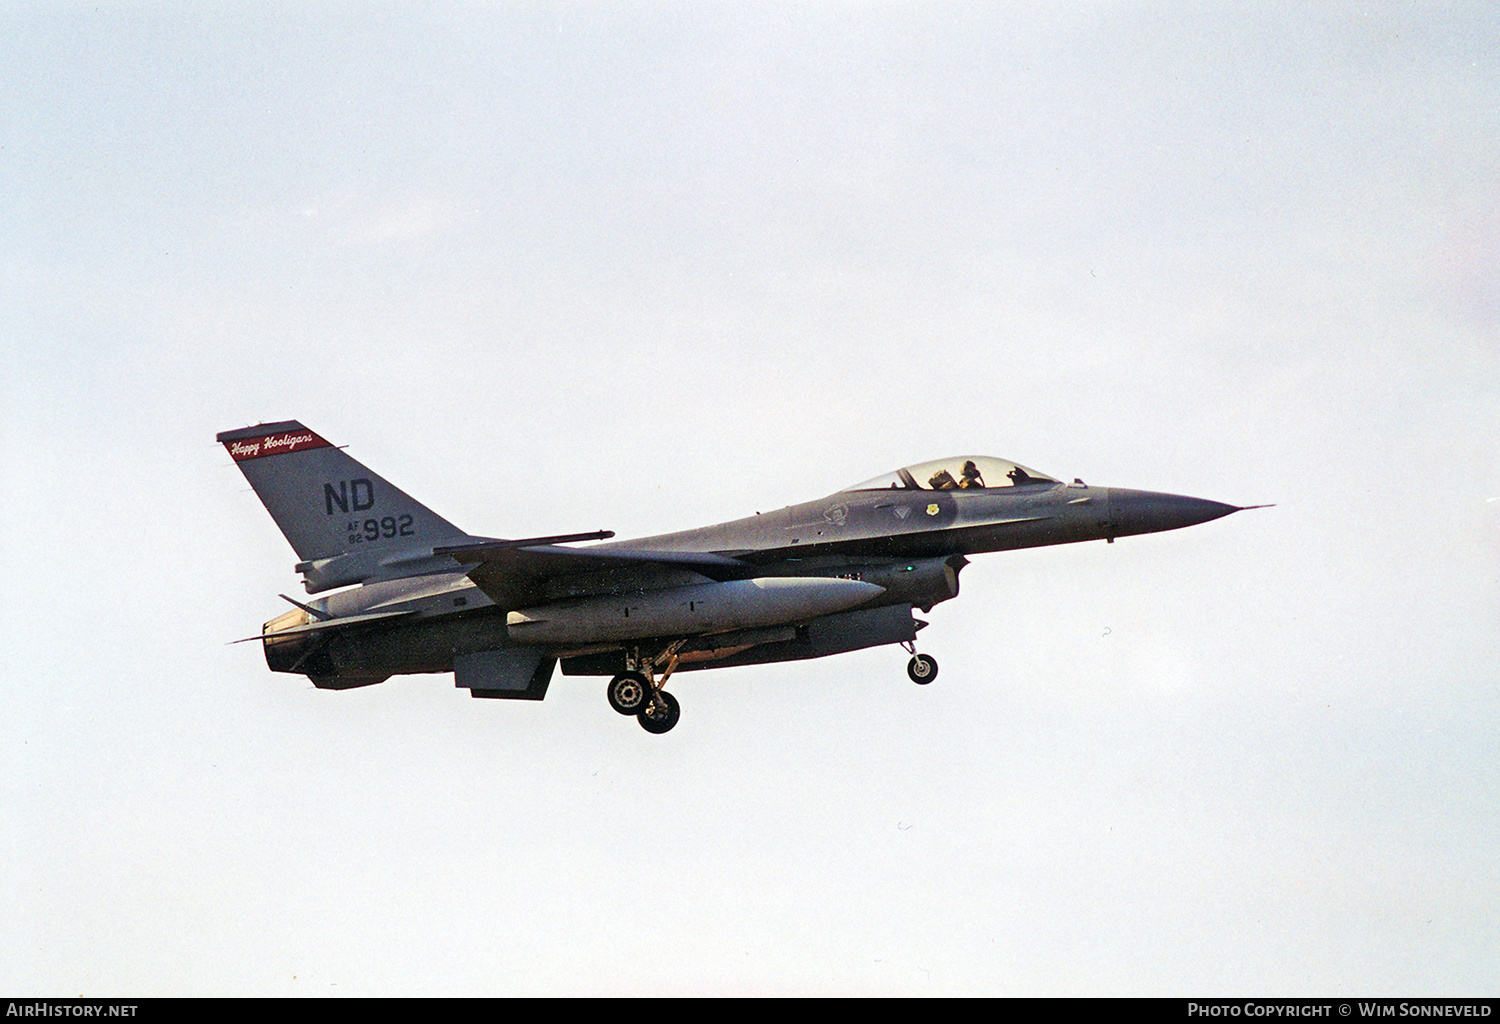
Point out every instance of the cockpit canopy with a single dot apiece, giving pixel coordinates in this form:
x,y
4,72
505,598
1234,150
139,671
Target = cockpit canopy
x,y
960,473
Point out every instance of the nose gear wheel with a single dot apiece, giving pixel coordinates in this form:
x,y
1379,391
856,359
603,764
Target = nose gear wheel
x,y
922,669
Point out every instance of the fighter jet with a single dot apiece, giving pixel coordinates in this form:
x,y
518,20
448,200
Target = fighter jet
x,y
409,592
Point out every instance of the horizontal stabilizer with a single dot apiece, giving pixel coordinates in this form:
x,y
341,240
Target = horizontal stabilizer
x,y
343,622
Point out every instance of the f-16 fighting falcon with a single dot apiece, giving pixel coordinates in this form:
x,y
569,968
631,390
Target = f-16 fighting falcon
x,y
407,591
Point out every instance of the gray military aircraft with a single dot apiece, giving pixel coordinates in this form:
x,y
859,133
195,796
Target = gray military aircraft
x,y
838,574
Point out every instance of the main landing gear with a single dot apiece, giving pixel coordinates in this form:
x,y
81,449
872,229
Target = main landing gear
x,y
638,692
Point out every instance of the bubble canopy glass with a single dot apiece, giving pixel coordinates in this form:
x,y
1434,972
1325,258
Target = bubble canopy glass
x,y
960,473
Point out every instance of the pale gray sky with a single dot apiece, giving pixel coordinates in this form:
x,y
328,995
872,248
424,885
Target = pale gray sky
x,y
649,266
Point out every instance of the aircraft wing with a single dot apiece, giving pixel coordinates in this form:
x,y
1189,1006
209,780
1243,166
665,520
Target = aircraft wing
x,y
511,572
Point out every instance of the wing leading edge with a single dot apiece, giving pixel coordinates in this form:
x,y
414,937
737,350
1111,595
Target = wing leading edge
x,y
513,573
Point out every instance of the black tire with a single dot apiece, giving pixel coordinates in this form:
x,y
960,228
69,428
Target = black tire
x,y
922,669
628,693
661,714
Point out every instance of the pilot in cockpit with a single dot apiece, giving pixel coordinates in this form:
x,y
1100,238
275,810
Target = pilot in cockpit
x,y
971,478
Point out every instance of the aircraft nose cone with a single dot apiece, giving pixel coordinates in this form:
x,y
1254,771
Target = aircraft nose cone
x,y
1151,512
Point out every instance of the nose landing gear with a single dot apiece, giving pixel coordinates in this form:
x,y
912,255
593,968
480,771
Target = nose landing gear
x,y
922,669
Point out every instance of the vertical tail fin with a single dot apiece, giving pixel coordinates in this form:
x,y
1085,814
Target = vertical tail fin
x,y
346,523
